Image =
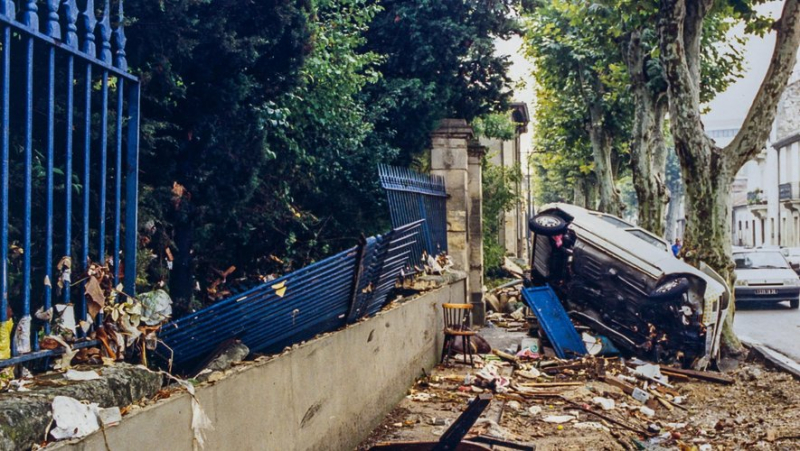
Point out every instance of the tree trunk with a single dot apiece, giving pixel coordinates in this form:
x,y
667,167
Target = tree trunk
x,y
707,170
610,201
648,148
675,198
708,228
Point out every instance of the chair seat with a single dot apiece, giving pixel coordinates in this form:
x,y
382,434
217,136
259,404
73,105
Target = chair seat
x,y
460,333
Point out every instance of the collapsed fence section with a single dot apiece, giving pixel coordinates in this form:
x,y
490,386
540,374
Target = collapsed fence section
x,y
322,297
413,197
69,141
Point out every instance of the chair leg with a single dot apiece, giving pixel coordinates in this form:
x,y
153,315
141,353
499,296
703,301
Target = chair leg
x,y
469,350
448,348
444,348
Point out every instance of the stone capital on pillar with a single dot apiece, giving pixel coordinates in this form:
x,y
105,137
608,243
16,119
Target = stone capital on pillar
x,y
476,151
453,129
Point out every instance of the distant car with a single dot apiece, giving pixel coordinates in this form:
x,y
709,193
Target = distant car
x,y
765,276
792,255
624,282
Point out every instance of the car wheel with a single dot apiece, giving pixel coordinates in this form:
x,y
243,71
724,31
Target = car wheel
x,y
671,288
794,303
547,225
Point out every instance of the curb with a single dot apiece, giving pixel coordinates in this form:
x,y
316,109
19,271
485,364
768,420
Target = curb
x,y
774,359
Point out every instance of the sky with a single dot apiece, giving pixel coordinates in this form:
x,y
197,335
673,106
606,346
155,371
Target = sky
x,y
729,108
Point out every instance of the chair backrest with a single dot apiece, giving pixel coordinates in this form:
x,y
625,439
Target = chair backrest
x,y
457,316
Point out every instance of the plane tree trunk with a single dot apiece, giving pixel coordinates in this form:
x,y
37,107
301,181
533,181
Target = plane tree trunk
x,y
708,170
648,148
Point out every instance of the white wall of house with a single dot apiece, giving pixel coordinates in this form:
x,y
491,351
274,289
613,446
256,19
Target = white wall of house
x,y
768,218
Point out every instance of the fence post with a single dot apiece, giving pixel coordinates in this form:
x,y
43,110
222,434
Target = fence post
x,y
476,153
449,160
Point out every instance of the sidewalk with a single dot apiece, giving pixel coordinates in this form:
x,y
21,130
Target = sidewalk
x,y
773,358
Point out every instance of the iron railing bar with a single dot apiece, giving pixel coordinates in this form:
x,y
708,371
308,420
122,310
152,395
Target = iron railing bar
x,y
132,189
68,174
118,179
4,174
101,232
87,183
26,246
48,353
51,111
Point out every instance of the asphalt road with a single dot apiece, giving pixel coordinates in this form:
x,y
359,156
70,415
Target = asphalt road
x,y
774,325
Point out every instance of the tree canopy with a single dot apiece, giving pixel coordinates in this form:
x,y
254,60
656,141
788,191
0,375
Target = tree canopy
x,y
264,122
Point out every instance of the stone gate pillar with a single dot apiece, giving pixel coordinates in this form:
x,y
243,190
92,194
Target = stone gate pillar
x,y
449,160
475,231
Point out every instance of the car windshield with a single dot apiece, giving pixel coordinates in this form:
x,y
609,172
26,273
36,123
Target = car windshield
x,y
760,260
644,236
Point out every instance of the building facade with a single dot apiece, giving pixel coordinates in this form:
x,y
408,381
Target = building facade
x,y
766,195
509,154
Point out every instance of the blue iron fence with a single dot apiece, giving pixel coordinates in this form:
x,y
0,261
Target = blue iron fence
x,y
319,298
57,149
412,197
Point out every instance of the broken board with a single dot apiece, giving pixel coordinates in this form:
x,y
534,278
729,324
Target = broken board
x,y
555,322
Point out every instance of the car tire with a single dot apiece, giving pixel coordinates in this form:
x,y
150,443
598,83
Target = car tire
x,y
671,288
794,303
547,225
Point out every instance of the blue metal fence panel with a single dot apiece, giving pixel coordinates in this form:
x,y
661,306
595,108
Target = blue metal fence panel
x,y
72,64
318,298
412,197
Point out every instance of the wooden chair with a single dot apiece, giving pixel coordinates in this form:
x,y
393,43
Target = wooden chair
x,y
457,324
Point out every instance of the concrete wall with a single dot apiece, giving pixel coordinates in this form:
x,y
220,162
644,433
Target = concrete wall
x,y
327,394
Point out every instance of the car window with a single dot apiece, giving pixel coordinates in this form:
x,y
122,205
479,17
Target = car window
x,y
615,221
759,260
644,236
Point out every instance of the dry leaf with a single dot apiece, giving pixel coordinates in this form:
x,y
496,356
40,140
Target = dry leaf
x,y
280,289
95,294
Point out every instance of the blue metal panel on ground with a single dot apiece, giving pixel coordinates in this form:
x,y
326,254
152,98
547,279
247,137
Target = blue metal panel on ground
x,y
555,322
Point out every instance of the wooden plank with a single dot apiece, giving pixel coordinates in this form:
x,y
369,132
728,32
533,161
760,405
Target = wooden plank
x,y
702,375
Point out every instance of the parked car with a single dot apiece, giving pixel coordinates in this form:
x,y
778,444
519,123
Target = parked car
x,y
765,276
792,255
624,282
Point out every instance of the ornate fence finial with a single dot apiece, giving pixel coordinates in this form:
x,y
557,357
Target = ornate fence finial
x,y
30,15
105,34
7,8
71,14
119,40
89,21
53,29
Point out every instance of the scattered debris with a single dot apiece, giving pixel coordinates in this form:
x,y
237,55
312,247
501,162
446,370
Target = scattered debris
x,y
73,419
597,401
74,375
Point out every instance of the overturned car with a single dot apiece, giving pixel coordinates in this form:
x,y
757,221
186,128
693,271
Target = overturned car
x,y
624,283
